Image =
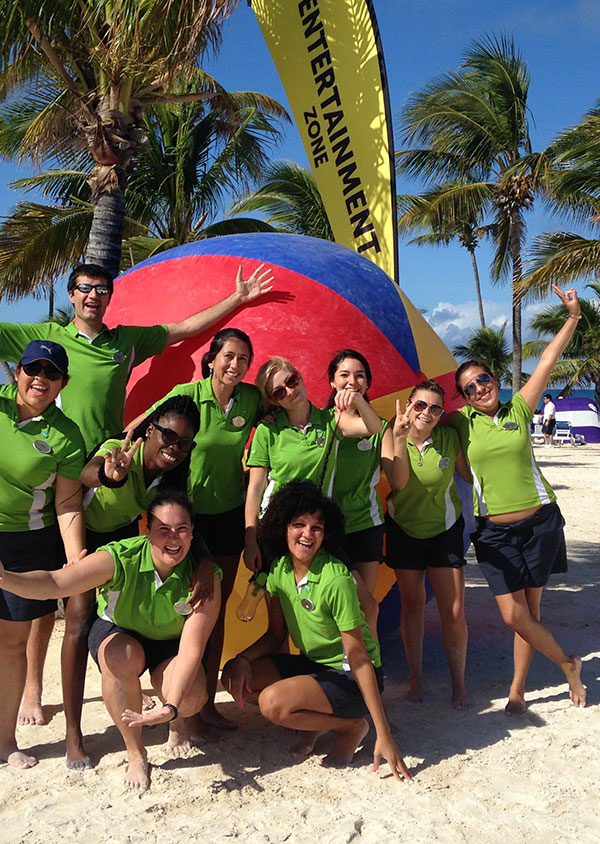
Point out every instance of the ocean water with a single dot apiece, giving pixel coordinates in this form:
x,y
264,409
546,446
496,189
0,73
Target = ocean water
x,y
505,395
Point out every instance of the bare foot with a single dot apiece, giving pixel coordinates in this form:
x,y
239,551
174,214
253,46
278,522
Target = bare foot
x,y
305,744
201,733
148,703
415,694
460,700
136,776
516,706
179,742
30,714
76,757
15,757
577,690
342,752
213,718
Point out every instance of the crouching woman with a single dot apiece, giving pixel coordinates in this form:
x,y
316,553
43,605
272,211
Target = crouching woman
x,y
336,679
143,623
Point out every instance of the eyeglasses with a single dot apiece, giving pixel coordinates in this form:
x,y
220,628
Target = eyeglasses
x,y
471,388
171,437
420,406
291,382
51,372
101,289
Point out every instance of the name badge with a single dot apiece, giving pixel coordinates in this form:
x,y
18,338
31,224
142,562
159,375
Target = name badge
x,y
320,441
510,426
364,445
238,421
182,608
42,447
307,604
118,357
444,463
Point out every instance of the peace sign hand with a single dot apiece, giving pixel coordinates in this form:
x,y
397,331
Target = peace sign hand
x,y
402,422
117,461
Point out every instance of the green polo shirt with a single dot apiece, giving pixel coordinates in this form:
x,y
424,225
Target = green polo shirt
x,y
32,454
136,598
429,503
109,508
290,453
99,369
316,627
357,473
216,474
506,477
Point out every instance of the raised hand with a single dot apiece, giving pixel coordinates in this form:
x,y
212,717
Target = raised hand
x,y
402,422
255,286
117,462
569,299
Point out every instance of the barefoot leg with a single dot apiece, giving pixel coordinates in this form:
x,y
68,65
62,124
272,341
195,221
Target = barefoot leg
x,y
37,648
368,604
411,584
13,669
449,589
162,677
79,611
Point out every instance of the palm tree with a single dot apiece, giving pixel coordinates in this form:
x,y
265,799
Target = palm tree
x,y
289,195
81,75
441,223
490,345
470,128
580,363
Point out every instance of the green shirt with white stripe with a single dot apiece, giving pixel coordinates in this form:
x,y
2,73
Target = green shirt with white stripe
x,y
289,453
216,473
506,477
110,508
321,607
99,369
32,454
429,503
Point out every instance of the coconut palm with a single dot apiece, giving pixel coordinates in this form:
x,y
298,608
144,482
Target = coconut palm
x,y
289,196
489,344
470,127
81,76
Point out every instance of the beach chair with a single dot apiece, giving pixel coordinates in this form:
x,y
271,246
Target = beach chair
x,y
562,434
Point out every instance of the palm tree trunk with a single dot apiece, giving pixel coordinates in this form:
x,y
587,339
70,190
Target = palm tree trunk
x,y
477,287
106,233
50,299
515,248
9,374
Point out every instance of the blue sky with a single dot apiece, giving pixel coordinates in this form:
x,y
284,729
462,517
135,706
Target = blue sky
x,y
422,38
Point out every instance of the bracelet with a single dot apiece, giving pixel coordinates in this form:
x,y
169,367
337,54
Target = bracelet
x,y
173,709
106,481
575,316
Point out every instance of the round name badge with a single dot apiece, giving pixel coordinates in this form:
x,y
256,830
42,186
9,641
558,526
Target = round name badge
x,y
510,426
364,445
182,608
307,604
238,421
320,441
42,447
444,463
118,357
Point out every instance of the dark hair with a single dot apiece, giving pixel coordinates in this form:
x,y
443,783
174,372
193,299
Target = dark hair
x,y
467,365
217,343
294,499
547,396
170,496
335,362
430,385
92,271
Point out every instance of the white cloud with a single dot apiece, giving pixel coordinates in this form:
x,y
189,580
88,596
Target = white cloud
x,y
453,323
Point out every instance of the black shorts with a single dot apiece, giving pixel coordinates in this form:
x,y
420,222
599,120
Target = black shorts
x,y
445,550
524,554
365,546
155,650
548,426
340,687
28,550
224,533
94,539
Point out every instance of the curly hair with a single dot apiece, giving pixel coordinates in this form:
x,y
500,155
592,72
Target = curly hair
x,y
292,500
217,343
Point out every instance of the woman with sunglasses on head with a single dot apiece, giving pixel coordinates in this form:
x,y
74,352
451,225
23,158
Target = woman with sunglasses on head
x,y
229,409
519,538
142,623
41,459
424,528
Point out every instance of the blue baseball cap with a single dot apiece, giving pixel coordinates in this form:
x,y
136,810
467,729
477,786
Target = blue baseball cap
x,y
46,350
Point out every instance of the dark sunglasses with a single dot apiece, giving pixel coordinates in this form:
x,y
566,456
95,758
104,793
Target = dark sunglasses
x,y
471,388
51,372
101,289
420,406
291,382
170,437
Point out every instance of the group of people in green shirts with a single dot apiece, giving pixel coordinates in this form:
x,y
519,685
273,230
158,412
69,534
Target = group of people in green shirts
x,y
311,517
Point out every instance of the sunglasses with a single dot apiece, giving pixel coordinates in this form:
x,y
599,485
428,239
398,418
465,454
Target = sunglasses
x,y
291,382
51,372
471,388
420,406
170,437
101,289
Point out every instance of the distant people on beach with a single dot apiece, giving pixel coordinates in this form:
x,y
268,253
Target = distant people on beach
x,y
548,420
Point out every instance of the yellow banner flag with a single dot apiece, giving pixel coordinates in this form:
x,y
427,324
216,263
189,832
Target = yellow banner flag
x,y
328,55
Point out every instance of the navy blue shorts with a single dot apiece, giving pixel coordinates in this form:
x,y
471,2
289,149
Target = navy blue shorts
x,y
224,533
155,650
445,550
365,546
340,687
28,550
524,554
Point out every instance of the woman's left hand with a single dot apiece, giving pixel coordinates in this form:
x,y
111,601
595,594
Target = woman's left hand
x,y
569,299
385,748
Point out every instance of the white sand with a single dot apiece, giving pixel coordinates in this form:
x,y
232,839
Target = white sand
x,y
479,776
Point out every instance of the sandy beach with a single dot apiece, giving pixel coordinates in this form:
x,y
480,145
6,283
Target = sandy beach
x,y
479,776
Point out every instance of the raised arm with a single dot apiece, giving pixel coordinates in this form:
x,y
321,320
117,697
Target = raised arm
x,y
245,291
349,402
535,386
115,463
90,572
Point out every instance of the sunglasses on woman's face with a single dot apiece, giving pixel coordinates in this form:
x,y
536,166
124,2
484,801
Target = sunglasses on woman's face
x,y
420,406
170,437
51,372
291,382
471,388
